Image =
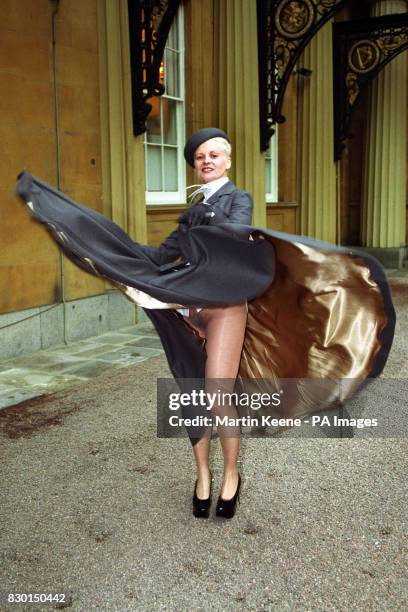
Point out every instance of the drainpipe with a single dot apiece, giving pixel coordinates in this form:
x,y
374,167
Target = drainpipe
x,y
58,153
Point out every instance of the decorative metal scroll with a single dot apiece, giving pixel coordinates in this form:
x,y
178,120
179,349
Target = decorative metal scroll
x,y
361,49
285,27
149,25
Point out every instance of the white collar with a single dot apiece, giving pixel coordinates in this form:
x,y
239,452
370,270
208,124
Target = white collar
x,y
207,189
210,188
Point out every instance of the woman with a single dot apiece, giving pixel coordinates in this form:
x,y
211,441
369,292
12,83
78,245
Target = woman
x,y
223,328
261,304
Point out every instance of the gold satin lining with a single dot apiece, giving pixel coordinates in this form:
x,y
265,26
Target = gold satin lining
x,y
321,318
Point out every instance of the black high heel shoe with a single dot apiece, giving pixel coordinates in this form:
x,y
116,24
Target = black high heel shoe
x,y
201,507
226,507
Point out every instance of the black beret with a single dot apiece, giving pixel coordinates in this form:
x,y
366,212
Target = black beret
x,y
198,138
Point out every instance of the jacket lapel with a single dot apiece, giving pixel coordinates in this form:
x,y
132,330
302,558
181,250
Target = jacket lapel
x,y
226,189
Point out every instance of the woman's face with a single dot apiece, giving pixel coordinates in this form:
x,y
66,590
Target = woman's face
x,y
210,161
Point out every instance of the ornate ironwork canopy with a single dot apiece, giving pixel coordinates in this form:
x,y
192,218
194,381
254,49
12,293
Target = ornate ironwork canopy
x,y
149,25
361,49
285,27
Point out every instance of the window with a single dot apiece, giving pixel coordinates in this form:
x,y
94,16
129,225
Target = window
x,y
164,138
271,169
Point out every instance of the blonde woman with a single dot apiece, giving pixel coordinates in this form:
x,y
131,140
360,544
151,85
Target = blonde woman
x,y
223,328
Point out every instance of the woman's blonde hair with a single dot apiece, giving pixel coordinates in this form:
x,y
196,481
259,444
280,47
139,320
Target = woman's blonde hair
x,y
224,144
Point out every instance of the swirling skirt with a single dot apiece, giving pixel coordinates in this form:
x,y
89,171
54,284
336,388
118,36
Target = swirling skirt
x,y
315,311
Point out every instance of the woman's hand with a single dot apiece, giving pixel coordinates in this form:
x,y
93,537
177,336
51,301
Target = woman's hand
x,y
199,214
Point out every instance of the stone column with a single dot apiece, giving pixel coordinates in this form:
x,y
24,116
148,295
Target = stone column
x,y
236,89
384,181
123,177
317,167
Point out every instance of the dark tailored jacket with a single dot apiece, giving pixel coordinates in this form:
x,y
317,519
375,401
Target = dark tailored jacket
x,y
229,205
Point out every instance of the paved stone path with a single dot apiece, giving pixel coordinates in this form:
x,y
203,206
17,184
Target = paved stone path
x,y
47,371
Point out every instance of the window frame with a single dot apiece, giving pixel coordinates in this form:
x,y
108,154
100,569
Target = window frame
x,y
179,196
271,196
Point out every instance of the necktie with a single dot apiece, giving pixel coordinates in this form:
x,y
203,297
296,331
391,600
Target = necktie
x,y
199,194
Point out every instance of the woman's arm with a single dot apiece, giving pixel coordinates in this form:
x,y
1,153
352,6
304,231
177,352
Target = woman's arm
x,y
168,251
241,208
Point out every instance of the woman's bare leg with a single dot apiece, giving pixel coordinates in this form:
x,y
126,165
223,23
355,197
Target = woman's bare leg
x,y
201,449
201,452
224,331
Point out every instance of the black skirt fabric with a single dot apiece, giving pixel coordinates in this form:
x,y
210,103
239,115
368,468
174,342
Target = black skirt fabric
x,y
212,278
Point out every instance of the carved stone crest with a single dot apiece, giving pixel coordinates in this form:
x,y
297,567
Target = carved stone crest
x,y
294,18
364,56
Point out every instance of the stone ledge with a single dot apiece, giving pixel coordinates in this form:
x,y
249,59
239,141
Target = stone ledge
x,y
31,330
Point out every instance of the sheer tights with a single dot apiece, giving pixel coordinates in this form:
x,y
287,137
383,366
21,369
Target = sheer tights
x,y
224,331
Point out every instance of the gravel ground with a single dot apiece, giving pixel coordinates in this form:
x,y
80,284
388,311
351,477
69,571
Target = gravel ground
x,y
96,506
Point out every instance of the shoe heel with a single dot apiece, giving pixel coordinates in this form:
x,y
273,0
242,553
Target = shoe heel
x,y
201,507
226,507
